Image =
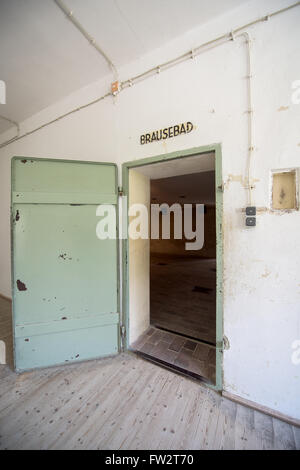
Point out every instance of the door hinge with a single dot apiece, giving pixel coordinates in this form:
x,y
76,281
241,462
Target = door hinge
x,y
226,344
221,187
123,331
123,335
223,345
120,191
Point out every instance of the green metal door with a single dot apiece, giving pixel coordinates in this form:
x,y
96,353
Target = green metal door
x,y
64,278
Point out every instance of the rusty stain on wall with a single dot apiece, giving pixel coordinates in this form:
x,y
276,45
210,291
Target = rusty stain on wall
x,y
283,108
266,273
240,179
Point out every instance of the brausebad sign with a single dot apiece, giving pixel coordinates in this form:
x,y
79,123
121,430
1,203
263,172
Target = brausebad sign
x,y
167,133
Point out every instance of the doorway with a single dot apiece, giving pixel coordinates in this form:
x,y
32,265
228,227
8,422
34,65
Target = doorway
x,y
174,308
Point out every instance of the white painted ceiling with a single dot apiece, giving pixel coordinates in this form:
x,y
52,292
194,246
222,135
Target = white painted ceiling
x,y
178,167
43,57
186,189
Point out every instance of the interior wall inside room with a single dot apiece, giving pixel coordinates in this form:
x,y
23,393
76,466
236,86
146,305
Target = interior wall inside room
x,y
139,262
261,293
183,282
196,188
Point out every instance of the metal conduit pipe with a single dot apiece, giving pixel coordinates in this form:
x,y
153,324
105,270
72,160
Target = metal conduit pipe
x,y
89,38
238,32
159,68
250,111
16,125
197,50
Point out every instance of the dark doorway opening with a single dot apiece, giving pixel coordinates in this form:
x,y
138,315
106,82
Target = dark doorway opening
x,y
182,333
183,282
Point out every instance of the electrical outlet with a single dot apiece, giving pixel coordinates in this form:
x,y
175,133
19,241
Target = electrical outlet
x,y
250,221
251,210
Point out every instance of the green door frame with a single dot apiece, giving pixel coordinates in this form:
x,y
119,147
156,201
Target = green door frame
x,y
216,149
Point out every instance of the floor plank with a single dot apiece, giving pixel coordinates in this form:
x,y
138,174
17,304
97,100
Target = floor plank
x,y
245,435
225,434
297,437
265,429
284,435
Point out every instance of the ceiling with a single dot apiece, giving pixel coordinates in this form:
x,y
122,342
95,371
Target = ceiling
x,y
186,180
179,166
43,57
187,189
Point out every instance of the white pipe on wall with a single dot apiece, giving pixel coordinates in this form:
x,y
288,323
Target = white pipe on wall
x,y
16,125
84,32
238,32
159,68
249,188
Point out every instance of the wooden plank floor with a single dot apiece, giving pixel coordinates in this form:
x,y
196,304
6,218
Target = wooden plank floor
x,y
126,402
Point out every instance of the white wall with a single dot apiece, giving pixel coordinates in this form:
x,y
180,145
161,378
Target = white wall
x,y
139,262
261,265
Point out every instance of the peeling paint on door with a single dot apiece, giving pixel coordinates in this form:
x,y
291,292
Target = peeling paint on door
x,y
66,266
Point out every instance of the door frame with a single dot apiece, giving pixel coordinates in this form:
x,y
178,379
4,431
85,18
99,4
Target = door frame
x,y
195,151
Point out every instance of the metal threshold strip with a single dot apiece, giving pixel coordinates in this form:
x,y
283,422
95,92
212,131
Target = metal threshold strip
x,y
202,341
172,367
